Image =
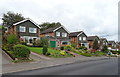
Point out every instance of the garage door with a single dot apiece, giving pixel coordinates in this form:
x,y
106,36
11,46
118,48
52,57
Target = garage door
x,y
52,44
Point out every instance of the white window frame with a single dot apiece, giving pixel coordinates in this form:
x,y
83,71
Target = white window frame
x,y
6,29
24,30
84,38
64,34
33,31
57,33
80,38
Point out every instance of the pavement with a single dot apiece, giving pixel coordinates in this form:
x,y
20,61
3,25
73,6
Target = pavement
x,y
96,67
43,62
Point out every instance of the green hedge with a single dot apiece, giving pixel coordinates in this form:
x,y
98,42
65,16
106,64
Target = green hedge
x,y
21,51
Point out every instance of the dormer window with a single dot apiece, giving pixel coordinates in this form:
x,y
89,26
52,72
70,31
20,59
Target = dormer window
x,y
64,34
22,29
57,33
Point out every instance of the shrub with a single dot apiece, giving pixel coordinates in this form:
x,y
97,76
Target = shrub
x,y
48,53
44,41
61,48
37,43
21,51
83,48
45,50
73,45
68,48
62,52
11,39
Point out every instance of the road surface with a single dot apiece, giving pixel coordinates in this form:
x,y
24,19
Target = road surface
x,y
100,67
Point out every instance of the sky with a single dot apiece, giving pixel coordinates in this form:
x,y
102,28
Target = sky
x,y
94,17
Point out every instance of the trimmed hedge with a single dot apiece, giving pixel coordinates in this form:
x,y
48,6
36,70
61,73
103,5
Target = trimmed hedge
x,y
21,51
45,50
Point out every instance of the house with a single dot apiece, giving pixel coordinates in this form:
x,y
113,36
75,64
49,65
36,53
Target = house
x,y
111,45
91,40
103,42
58,36
79,38
118,45
27,30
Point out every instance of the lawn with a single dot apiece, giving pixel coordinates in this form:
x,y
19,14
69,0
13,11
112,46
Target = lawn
x,y
54,53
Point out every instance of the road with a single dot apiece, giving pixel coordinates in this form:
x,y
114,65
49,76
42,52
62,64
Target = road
x,y
100,67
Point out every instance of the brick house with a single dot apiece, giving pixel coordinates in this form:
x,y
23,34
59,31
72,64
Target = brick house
x,y
111,45
91,40
58,36
79,38
103,42
27,30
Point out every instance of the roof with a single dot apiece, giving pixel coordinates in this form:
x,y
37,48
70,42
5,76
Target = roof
x,y
110,42
103,39
25,21
50,29
53,29
75,33
92,38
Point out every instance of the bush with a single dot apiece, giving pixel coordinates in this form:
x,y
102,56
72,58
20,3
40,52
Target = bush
x,y
11,39
68,48
73,45
21,51
45,50
114,52
61,48
41,42
47,54
86,54
83,48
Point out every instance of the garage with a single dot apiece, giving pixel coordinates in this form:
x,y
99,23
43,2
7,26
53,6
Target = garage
x,y
52,44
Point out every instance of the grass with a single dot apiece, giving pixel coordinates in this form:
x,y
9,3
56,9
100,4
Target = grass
x,y
53,53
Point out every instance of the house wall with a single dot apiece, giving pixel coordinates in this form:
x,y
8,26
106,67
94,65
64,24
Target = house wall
x,y
27,24
50,34
61,30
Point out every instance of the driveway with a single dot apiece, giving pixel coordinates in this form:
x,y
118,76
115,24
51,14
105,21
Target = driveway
x,y
5,58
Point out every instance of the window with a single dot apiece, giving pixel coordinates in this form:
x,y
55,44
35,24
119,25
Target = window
x,y
32,30
22,29
98,41
46,34
80,38
84,38
64,34
64,42
6,29
57,33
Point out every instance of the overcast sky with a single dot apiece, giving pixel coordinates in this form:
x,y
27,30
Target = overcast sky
x,y
94,17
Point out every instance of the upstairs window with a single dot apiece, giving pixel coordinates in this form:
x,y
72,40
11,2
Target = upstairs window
x,y
22,29
32,30
80,38
57,33
84,38
64,34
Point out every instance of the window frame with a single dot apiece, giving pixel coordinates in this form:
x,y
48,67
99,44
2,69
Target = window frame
x,y
58,34
32,28
80,38
23,29
64,34
84,38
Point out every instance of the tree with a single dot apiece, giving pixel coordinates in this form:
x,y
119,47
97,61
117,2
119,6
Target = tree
x,y
95,44
10,18
47,25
